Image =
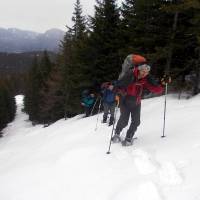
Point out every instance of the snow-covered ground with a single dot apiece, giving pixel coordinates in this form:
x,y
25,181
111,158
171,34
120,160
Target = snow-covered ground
x,y
68,160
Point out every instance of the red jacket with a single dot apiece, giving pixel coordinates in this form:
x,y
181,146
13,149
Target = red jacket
x,y
136,87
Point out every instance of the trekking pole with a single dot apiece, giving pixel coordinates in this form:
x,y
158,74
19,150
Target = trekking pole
x,y
94,106
98,114
165,105
116,110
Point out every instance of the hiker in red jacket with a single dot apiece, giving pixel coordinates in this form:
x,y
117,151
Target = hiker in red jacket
x,y
131,85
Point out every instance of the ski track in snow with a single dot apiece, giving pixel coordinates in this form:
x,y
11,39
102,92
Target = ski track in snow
x,y
148,190
165,173
169,175
143,191
144,162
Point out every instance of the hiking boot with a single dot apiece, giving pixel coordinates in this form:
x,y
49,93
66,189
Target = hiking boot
x,y
104,120
127,143
116,139
110,123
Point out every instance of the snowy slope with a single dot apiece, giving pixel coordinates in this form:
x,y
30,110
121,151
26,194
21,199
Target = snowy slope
x,y
68,160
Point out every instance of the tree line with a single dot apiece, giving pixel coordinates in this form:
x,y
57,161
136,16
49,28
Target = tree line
x,y
167,33
7,101
15,63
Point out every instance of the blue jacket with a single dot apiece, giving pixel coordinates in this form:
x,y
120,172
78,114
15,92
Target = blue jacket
x,y
108,96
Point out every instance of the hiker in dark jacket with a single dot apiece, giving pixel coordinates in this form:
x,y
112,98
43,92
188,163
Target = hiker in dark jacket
x,y
108,96
131,86
87,101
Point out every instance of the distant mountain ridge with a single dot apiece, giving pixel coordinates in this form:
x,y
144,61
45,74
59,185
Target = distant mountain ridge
x,y
13,40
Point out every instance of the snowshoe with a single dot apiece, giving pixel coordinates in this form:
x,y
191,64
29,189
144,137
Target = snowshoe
x,y
127,143
110,124
104,120
116,139
111,121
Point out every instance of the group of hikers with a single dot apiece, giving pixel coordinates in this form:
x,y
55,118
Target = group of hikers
x,y
126,93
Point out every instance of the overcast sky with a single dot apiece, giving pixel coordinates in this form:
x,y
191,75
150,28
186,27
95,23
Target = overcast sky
x,y
40,15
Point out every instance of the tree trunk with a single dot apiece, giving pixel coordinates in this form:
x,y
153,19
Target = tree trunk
x,y
168,66
197,73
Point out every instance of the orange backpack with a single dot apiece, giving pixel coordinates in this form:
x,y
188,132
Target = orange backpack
x,y
138,59
130,62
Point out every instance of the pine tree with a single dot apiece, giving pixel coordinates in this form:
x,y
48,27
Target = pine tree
x,y
31,99
184,42
51,104
72,61
36,81
79,22
128,27
44,71
105,42
43,84
44,68
146,28
193,7
3,106
7,105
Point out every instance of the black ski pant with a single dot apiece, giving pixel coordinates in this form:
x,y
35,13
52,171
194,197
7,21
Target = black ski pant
x,y
128,107
108,108
87,111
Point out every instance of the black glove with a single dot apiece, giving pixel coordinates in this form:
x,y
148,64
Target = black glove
x,y
166,79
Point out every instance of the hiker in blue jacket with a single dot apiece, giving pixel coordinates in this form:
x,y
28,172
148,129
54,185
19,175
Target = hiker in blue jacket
x,y
108,96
